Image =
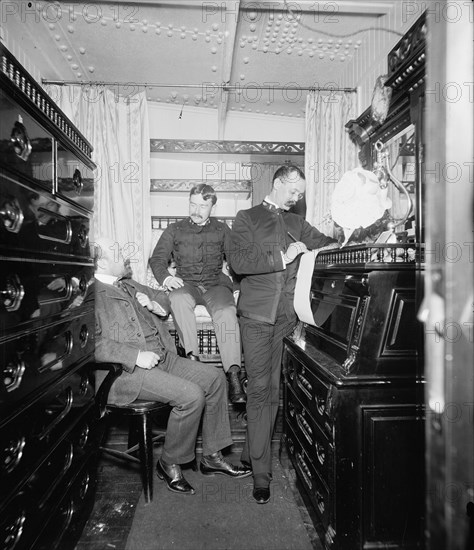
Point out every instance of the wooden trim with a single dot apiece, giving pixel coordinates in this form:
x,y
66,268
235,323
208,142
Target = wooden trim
x,y
226,147
185,185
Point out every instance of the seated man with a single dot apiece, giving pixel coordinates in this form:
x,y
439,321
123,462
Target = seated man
x,y
129,331
198,245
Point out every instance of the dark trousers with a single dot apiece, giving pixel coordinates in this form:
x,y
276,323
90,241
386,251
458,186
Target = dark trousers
x,y
263,350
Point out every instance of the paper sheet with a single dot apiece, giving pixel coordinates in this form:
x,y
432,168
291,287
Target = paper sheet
x,y
301,301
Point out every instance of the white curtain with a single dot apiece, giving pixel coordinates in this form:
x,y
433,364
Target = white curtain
x,y
117,128
328,152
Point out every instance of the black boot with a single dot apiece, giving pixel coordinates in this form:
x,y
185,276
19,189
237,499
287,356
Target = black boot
x,y
236,392
193,357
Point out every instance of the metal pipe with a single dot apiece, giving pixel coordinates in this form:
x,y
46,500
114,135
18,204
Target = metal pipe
x,y
209,86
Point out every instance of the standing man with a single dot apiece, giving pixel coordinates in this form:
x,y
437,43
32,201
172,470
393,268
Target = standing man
x,y
129,331
198,246
266,240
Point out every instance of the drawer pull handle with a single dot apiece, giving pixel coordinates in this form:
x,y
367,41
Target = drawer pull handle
x,y
51,358
77,181
83,437
320,453
83,336
13,375
13,293
320,404
320,501
11,215
305,385
59,417
20,140
83,236
305,428
54,227
12,454
304,470
84,486
67,461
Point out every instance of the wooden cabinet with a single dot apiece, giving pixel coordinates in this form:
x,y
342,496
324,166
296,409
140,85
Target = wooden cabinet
x,y
353,421
354,414
48,420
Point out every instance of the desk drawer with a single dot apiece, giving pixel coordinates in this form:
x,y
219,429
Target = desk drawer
x,y
34,223
37,290
25,147
66,411
315,487
315,442
33,361
313,393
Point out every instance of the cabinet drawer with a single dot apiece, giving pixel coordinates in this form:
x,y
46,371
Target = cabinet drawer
x,y
36,223
75,180
25,147
28,522
316,444
36,291
32,361
313,393
65,412
66,522
314,486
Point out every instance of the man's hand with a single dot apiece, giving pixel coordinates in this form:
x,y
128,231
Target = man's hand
x,y
151,305
147,359
293,251
174,283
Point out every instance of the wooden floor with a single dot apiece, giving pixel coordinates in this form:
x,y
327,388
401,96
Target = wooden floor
x,y
118,491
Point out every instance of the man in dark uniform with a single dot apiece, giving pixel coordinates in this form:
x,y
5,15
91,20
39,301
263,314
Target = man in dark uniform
x,y
198,246
266,240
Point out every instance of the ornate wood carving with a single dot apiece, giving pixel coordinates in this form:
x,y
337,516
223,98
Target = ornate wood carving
x,y
26,90
408,49
406,63
185,185
226,147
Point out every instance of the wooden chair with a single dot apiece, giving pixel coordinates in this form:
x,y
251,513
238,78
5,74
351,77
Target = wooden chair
x,y
140,436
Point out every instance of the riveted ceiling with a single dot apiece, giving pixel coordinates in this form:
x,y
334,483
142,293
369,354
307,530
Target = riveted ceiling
x,y
229,55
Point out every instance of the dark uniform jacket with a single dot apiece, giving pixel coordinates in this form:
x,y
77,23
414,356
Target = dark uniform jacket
x,y
259,237
121,326
198,251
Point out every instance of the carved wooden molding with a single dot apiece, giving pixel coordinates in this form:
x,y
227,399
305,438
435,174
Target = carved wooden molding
x,y
185,185
408,49
226,147
406,77
27,90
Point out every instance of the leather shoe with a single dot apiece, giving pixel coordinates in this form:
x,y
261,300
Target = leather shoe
x,y
216,464
173,477
192,357
236,393
261,494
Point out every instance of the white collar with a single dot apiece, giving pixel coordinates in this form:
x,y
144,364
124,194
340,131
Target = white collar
x,y
269,201
107,279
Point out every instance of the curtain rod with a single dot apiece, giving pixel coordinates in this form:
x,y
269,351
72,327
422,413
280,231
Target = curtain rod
x,y
209,86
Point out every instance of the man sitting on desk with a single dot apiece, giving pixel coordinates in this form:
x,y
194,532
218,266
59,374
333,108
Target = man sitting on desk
x,y
129,331
198,245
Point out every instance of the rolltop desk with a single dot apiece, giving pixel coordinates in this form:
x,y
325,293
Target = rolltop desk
x,y
48,422
353,380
